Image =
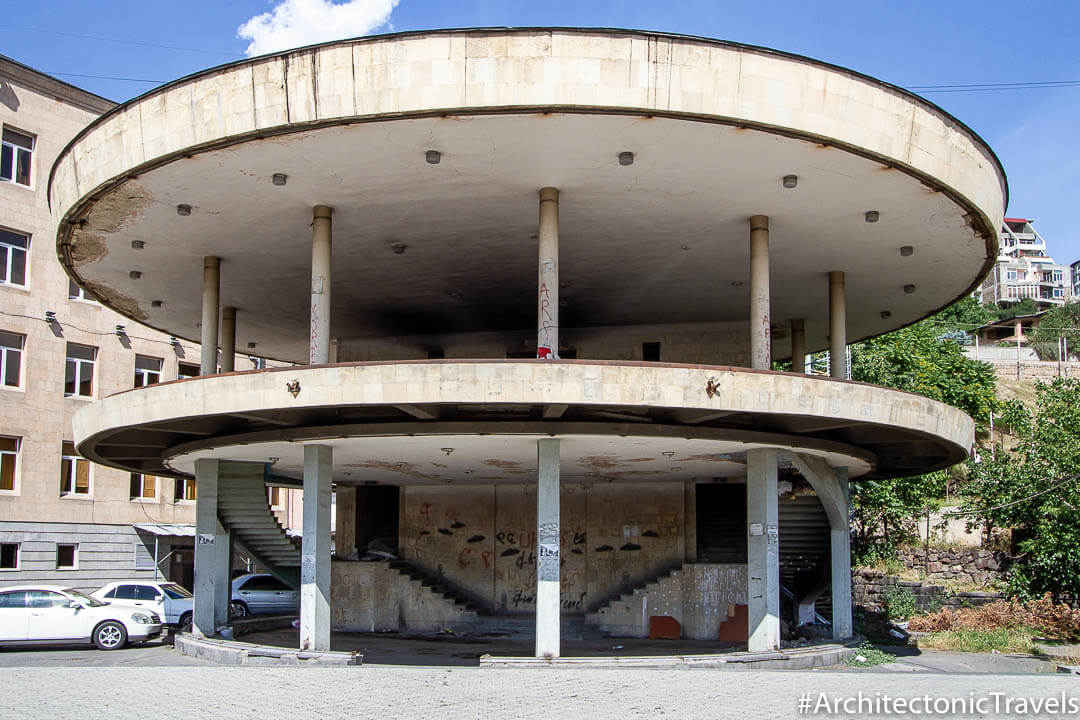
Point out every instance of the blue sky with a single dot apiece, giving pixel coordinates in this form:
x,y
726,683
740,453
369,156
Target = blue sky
x,y
912,44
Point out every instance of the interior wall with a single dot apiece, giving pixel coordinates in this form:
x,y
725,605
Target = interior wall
x,y
481,539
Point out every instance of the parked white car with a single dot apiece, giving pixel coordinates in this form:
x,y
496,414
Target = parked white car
x,y
55,615
171,601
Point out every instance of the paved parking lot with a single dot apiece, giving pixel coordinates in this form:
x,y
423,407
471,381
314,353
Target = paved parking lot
x,y
391,692
152,679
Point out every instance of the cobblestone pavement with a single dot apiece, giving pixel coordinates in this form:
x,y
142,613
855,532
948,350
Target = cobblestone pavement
x,y
448,693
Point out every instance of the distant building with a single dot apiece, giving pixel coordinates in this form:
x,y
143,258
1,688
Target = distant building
x,y
1075,275
1025,270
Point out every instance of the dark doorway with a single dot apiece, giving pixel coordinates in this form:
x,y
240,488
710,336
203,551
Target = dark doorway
x,y
377,518
721,523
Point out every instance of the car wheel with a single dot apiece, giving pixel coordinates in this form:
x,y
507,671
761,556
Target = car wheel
x,y
110,635
185,622
238,609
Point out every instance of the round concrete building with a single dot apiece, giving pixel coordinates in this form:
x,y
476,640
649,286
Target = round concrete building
x,y
533,281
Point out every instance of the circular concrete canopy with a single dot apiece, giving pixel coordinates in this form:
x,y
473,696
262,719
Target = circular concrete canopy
x,y
713,127
392,421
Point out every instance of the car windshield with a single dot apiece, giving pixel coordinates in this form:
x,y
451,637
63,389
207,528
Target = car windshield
x,y
176,592
84,599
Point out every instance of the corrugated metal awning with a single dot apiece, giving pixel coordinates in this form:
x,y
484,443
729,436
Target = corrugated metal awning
x,y
163,529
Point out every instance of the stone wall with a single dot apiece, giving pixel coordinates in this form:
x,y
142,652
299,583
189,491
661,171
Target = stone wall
x,y
970,565
869,588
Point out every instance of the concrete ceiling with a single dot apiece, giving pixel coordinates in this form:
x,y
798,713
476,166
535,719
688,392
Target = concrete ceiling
x,y
424,460
664,240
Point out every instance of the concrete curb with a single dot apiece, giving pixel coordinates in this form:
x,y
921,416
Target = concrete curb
x,y
794,659
230,652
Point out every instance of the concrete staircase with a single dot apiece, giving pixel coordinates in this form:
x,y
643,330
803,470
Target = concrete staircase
x,y
628,614
423,580
245,512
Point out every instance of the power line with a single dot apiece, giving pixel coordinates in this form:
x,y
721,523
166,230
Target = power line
x,y
994,87
108,77
122,42
1064,481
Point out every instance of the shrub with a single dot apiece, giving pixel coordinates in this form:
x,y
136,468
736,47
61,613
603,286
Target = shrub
x,y
898,602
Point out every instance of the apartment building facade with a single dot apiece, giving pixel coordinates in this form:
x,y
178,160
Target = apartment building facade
x,y
1024,269
64,519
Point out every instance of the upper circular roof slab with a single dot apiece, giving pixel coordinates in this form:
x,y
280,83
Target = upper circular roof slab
x,y
713,126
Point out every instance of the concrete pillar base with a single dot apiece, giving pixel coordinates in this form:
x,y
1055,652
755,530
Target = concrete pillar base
x,y
315,553
213,554
547,563
763,552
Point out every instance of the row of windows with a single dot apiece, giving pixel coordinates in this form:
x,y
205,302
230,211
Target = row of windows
x,y
76,475
79,366
67,556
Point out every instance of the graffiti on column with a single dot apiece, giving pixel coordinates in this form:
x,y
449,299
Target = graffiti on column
x,y
545,345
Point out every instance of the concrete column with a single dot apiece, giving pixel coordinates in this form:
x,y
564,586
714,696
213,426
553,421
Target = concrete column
x,y
763,551
321,234
760,323
840,553
211,292
213,556
837,326
547,534
345,527
228,339
315,550
547,306
798,346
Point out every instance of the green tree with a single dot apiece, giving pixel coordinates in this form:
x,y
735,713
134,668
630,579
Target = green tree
x,y
1027,306
1062,321
918,359
1034,488
966,315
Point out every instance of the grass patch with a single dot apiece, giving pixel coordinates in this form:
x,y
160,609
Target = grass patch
x,y
867,656
1006,640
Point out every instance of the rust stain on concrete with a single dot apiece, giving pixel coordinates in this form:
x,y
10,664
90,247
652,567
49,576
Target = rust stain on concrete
x,y
513,467
403,468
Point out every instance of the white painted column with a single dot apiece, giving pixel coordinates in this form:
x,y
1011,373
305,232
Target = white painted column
x,y
213,556
211,293
315,550
547,543
763,551
547,306
760,322
321,238
798,346
228,339
840,544
837,326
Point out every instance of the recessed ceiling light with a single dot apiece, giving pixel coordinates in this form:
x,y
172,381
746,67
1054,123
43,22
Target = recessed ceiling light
x,y
907,251
183,210
872,216
909,289
137,244
134,274
156,303
886,314
456,294
790,181
399,248
252,345
279,179
434,157
626,158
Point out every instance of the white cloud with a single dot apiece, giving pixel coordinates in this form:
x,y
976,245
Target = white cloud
x,y
294,23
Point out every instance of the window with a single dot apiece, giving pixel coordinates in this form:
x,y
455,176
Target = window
x,y
185,489
79,376
1010,274
264,582
9,556
67,556
16,150
650,352
13,247
76,291
11,347
274,495
147,370
186,370
1059,292
1057,276
143,487
74,472
13,599
46,598
9,463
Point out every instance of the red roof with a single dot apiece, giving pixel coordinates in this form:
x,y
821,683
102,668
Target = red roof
x,y
1017,220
